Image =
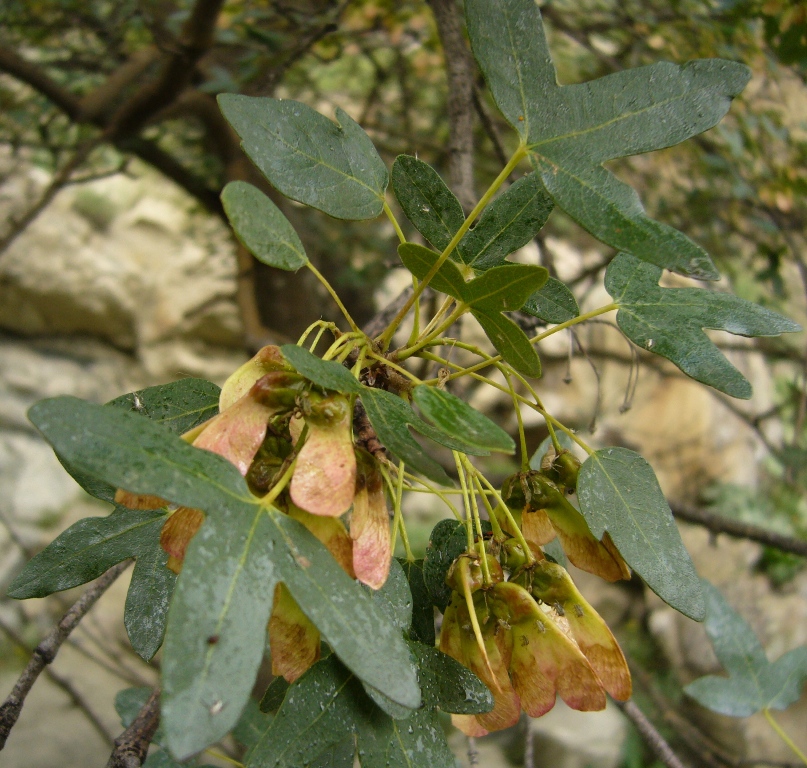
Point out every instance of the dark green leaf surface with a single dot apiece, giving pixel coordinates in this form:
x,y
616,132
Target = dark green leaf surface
x,y
391,417
422,628
216,630
669,322
618,492
340,755
251,725
129,702
448,685
324,705
327,374
333,167
262,228
504,288
426,200
510,342
394,598
180,405
570,131
87,549
554,303
137,454
754,683
510,222
342,611
274,695
455,417
419,261
149,596
446,543
319,710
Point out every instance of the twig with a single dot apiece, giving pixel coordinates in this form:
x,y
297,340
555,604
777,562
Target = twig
x,y
46,651
133,744
654,739
62,683
460,71
739,530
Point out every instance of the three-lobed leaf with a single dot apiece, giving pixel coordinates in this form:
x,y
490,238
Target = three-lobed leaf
x,y
262,228
754,683
670,322
333,167
618,493
570,131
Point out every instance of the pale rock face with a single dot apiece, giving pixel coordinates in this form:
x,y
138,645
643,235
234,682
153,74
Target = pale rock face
x,y
124,259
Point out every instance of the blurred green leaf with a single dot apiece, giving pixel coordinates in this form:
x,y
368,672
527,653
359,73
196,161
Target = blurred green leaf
x,y
754,683
327,374
422,628
670,322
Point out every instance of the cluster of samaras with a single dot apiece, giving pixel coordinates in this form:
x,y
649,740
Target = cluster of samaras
x,y
533,636
527,637
265,408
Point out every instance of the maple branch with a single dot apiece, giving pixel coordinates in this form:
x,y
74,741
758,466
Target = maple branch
x,y
64,684
133,744
739,530
662,750
460,71
46,651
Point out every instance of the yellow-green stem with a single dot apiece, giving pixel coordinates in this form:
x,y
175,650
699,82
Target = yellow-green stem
x,y
784,736
574,321
321,324
517,157
525,459
510,519
399,515
447,302
328,287
442,495
220,756
394,366
480,546
494,520
396,226
283,481
466,501
458,312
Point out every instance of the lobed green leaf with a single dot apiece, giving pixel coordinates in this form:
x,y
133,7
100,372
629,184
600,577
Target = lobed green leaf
x,y
618,492
670,322
571,130
504,288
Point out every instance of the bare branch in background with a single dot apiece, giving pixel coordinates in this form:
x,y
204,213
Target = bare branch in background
x,y
460,69
661,749
46,651
739,530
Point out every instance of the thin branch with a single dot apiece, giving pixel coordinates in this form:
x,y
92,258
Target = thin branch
x,y
662,750
460,71
739,530
46,651
64,684
133,744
